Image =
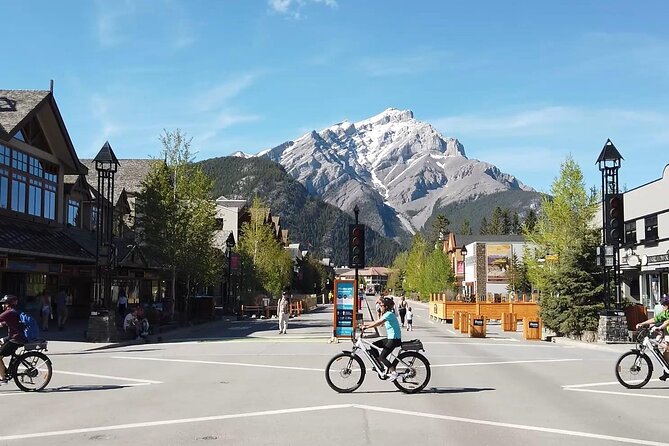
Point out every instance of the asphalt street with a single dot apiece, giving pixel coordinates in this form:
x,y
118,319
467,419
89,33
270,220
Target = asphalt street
x,y
242,383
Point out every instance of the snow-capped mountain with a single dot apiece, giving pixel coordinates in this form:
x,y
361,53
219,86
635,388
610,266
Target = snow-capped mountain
x,y
396,168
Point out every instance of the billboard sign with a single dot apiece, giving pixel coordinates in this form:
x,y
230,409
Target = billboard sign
x,y
498,261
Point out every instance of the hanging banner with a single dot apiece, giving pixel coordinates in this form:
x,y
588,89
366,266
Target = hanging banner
x,y
344,305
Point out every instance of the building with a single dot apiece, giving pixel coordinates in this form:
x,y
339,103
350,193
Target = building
x,y
645,251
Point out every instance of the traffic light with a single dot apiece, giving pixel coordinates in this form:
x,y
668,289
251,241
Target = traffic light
x,y
615,230
356,246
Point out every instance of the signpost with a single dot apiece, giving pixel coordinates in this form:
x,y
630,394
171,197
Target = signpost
x,y
344,308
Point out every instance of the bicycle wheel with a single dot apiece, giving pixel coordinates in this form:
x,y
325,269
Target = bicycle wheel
x,y
413,372
32,371
634,369
345,372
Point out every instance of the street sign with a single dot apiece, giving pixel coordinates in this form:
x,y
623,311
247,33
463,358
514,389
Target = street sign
x,y
344,308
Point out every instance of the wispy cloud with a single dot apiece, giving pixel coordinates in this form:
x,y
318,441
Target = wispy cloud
x,y
293,8
397,65
111,18
218,95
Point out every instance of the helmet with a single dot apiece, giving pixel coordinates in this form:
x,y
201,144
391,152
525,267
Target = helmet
x,y
388,303
9,299
665,301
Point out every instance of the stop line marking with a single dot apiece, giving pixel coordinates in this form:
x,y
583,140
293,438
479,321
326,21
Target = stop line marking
x,y
583,388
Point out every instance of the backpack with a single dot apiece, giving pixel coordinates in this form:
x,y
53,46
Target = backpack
x,y
30,327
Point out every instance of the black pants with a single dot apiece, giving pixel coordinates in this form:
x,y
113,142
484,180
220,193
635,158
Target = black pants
x,y
387,346
403,313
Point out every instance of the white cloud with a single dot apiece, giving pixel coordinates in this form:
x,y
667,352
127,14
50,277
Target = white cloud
x,y
293,8
111,18
218,95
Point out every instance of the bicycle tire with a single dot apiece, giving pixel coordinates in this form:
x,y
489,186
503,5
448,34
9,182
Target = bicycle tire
x,y
406,380
629,376
35,364
345,372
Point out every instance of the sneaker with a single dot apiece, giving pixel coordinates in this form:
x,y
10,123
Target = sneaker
x,y
392,377
4,381
664,376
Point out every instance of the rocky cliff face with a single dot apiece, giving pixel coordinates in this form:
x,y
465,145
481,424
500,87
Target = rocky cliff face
x,y
396,168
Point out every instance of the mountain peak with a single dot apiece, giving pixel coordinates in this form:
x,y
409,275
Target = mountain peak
x,y
388,115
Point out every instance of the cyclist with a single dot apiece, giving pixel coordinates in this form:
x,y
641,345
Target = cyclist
x,y
393,334
661,322
10,318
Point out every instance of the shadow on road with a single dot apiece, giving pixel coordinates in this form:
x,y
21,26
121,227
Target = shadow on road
x,y
83,388
456,389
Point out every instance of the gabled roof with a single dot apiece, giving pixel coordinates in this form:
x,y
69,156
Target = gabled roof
x,y
129,177
16,107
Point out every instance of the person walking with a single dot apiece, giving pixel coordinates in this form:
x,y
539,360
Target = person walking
x,y
122,302
409,319
61,308
46,310
283,311
403,310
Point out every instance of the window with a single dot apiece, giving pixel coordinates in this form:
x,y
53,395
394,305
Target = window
x,y
94,216
73,213
4,187
19,161
630,232
36,167
50,201
651,227
18,192
20,136
5,155
35,198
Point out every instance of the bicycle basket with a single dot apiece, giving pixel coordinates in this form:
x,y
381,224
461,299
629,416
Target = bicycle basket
x,y
37,345
413,344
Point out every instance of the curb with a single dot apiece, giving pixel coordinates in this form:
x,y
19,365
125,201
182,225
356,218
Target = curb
x,y
592,345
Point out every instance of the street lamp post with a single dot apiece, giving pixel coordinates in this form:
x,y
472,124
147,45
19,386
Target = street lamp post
x,y
230,243
463,253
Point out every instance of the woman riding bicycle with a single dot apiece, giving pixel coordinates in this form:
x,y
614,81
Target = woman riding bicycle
x,y
661,324
393,335
15,339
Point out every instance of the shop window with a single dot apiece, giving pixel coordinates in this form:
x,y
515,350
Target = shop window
x,y
630,232
651,228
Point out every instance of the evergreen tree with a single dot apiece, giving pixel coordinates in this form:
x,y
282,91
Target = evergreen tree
x,y
530,221
518,280
567,275
484,229
516,227
440,229
466,228
398,272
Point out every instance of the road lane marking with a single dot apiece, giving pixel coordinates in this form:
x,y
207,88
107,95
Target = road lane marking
x,y
169,422
611,392
487,344
241,364
119,378
512,426
503,362
331,407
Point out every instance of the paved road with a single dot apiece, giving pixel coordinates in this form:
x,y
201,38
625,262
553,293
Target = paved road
x,y
241,383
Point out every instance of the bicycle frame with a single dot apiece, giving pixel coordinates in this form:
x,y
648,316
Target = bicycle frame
x,y
651,345
362,346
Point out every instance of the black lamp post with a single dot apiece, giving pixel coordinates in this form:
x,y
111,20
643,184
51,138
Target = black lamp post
x,y
612,222
230,243
463,253
106,165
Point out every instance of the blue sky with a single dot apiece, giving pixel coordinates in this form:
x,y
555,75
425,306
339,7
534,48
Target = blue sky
x,y
521,84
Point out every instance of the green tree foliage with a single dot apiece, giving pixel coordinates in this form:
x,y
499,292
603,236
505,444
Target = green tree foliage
x,y
398,272
428,270
466,228
516,226
518,280
267,265
563,266
177,216
530,221
440,229
484,227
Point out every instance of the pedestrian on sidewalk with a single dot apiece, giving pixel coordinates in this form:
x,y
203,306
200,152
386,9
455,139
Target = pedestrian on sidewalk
x,y
409,319
61,308
122,302
403,310
283,310
45,311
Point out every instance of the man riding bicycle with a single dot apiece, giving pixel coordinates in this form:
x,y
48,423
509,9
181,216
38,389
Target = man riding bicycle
x,y
393,333
15,339
661,322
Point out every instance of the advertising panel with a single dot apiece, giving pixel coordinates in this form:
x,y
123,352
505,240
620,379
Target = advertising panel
x,y
344,307
498,260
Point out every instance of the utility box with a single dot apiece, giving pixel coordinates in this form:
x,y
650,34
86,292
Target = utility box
x,y
464,322
509,322
477,325
532,328
456,320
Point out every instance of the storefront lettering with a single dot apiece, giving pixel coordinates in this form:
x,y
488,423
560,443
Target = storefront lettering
x,y
658,258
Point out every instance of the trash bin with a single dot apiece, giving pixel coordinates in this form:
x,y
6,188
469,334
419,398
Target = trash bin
x,y
532,328
509,322
477,326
